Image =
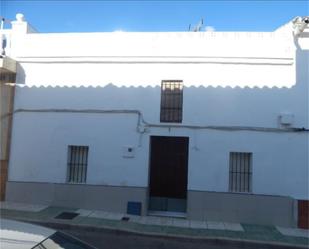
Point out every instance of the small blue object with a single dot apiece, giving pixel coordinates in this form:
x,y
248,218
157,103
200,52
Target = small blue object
x,y
134,208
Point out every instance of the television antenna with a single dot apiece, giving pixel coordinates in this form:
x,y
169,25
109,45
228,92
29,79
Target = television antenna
x,y
198,27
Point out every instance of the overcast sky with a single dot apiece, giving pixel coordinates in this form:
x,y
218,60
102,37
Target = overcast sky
x,y
100,16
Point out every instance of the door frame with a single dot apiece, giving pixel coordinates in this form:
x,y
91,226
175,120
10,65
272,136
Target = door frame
x,y
149,174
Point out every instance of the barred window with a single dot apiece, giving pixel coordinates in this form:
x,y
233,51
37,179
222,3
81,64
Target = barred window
x,y
171,101
77,164
240,172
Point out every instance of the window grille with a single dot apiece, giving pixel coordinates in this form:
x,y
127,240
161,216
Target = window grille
x,y
77,164
171,101
240,172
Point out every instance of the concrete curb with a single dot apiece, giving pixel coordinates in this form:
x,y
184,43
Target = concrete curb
x,y
241,243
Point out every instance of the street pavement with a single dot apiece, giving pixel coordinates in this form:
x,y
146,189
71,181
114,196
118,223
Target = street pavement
x,y
111,240
163,232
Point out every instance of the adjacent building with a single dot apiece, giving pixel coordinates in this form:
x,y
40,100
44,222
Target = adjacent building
x,y
199,125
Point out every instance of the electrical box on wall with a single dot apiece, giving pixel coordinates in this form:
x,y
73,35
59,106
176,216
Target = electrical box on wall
x,y
128,152
286,118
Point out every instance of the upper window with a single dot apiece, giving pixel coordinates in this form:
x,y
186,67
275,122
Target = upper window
x,y
240,172
171,101
77,164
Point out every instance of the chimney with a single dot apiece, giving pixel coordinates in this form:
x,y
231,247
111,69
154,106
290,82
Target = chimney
x,y
21,26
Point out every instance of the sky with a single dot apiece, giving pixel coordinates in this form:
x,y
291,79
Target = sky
x,y
142,16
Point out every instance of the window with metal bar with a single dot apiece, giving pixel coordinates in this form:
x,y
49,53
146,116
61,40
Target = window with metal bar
x,y
77,164
171,101
240,172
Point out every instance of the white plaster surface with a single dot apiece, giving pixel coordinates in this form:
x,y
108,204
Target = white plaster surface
x,y
145,58
274,154
231,79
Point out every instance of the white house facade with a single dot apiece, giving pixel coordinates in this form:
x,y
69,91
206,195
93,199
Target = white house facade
x,y
200,125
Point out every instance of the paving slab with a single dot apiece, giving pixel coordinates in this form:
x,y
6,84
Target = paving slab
x,y
180,223
165,221
152,220
84,212
134,218
295,232
114,216
142,220
233,227
98,214
22,206
215,225
198,224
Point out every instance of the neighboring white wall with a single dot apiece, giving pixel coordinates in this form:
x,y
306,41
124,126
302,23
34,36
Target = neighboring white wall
x,y
50,63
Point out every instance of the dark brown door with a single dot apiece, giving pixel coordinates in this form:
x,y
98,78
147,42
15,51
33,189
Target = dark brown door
x,y
168,170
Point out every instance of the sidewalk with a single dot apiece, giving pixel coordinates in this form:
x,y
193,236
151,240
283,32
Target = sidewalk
x,y
151,225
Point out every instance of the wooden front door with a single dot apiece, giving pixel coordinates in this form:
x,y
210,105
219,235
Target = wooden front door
x,y
168,173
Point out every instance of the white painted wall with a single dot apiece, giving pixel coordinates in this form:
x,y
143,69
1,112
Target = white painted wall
x,y
39,153
151,74
208,59
47,159
73,71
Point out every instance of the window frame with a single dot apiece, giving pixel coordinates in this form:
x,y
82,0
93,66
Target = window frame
x,y
248,172
84,164
171,109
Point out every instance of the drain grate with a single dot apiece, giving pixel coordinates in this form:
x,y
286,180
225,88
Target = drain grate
x,y
67,215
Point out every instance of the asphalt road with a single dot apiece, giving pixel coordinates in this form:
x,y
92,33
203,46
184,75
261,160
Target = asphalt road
x,y
122,240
